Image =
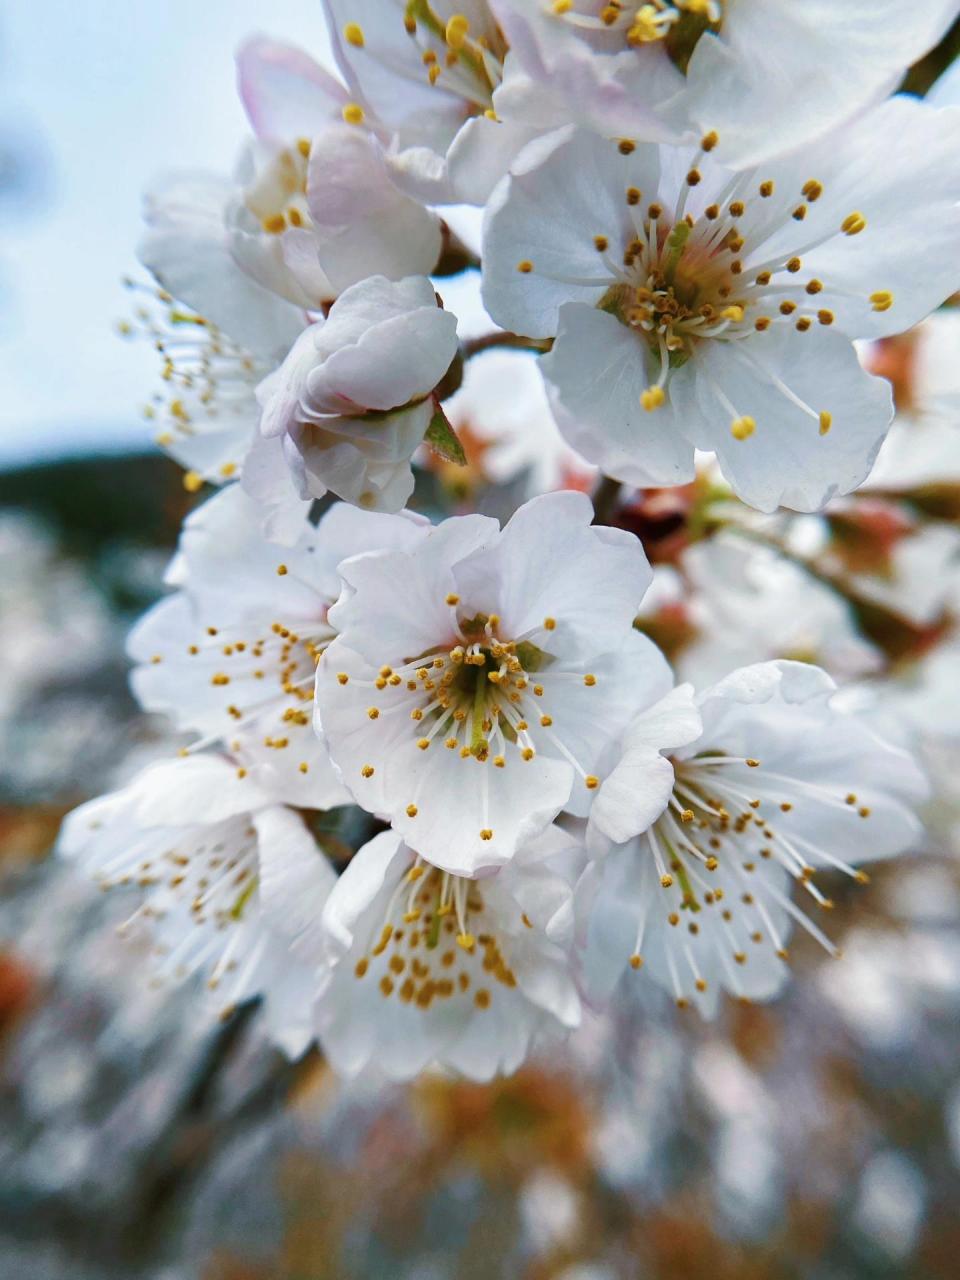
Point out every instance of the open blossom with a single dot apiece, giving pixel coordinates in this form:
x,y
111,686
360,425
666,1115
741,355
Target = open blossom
x,y
479,679
420,967
695,307
749,67
354,397
194,840
770,784
231,655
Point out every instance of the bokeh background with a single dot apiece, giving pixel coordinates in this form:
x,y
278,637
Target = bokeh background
x,y
816,1138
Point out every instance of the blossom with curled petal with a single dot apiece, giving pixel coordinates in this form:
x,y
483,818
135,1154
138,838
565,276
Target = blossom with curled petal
x,y
771,784
354,397
195,841
697,307
231,654
480,678
421,968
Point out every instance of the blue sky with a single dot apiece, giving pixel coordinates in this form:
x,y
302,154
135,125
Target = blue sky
x,y
111,93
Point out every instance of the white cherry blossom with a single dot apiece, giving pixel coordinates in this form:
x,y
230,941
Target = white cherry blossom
x,y
192,838
767,75
421,968
480,678
735,602
354,397
695,307
773,785
231,654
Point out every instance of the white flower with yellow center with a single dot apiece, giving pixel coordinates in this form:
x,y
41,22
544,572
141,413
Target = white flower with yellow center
x,y
771,785
768,75
197,844
231,655
695,307
354,397
480,679
422,968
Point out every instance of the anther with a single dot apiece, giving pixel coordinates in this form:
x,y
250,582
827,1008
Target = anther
x,y
742,428
367,771
525,266
652,398
626,147
353,34
412,810
853,224
882,300
353,113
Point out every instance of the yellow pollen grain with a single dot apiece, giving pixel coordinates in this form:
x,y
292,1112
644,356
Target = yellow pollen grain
x,y
466,940
666,880
803,324
794,265
882,300
591,782
787,308
367,771
736,208
412,810
767,188
452,598
652,398
353,34
282,570
814,286
693,177
486,834
549,624
525,266
423,743
826,422
589,680
734,313
192,481
499,761
636,961
825,317
813,189
342,677
709,140
373,713
353,113
626,146
601,243
762,323
634,195
527,753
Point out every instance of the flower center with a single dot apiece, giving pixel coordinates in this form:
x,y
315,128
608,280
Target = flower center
x,y
681,22
278,198
427,949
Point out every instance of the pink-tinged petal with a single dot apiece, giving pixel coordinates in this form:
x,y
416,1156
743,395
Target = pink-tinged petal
x,y
285,93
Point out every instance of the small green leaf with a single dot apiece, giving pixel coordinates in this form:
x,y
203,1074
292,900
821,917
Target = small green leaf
x,y
442,440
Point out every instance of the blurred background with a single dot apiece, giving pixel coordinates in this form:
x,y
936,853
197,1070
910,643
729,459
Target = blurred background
x,y
816,1138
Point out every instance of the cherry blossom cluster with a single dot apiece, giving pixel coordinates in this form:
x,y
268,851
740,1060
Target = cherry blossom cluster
x,y
611,612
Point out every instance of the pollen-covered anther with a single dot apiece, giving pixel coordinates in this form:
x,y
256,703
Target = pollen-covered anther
x,y
353,34
666,880
525,266
412,810
456,31
882,300
742,428
652,398
353,113
853,224
601,243
825,317
591,782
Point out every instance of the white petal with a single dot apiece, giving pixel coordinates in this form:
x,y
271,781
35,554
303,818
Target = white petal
x,y
786,461
595,375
